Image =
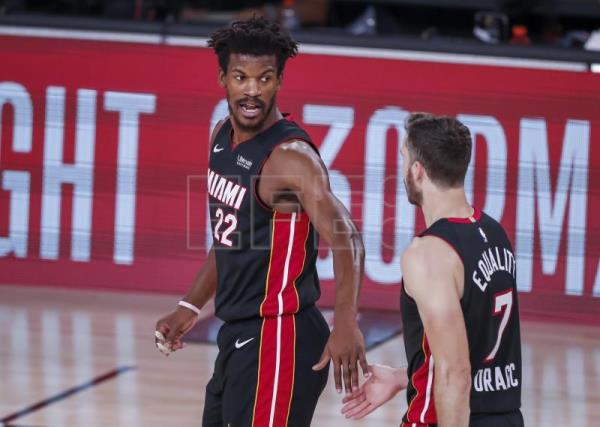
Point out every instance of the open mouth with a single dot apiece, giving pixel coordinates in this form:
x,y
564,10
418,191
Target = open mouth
x,y
250,109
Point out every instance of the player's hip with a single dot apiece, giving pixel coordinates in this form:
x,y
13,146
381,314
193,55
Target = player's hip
x,y
307,326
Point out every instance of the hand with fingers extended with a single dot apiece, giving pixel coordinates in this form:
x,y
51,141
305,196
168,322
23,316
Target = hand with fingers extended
x,y
383,384
171,329
346,349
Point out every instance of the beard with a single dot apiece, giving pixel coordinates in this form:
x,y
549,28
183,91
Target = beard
x,y
415,197
242,122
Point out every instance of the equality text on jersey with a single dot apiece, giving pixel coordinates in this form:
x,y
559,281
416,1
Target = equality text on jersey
x,y
491,261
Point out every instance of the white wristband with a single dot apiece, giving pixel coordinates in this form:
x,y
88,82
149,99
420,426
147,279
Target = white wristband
x,y
189,306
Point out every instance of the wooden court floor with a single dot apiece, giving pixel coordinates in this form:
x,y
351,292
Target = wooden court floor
x,y
81,358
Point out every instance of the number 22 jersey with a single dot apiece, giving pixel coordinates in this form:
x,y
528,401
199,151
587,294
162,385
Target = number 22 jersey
x,y
266,260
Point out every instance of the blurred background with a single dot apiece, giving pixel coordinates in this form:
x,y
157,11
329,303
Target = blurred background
x,y
106,108
549,23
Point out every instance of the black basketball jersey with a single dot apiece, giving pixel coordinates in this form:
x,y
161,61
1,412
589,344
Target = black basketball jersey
x,y
491,314
266,260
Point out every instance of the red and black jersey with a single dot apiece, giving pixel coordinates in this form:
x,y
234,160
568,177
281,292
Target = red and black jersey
x,y
491,313
266,260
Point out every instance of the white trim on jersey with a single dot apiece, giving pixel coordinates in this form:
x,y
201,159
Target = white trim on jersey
x,y
286,268
280,302
428,391
276,378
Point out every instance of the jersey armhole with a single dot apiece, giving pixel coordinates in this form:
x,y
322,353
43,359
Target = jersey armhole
x,y
403,290
216,131
455,249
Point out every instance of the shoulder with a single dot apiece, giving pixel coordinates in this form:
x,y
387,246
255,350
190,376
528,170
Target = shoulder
x,y
487,222
295,155
217,129
426,251
296,148
429,257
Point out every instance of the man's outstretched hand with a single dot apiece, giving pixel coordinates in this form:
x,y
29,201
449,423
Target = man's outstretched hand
x,y
383,384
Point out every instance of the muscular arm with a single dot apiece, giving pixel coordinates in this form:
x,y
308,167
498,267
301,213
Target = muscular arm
x,y
296,168
433,276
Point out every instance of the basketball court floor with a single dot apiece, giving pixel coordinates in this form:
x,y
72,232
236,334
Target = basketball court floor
x,y
81,358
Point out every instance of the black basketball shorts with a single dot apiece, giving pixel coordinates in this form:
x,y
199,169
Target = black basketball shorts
x,y
263,374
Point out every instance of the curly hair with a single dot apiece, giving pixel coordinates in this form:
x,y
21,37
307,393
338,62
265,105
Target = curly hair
x,y
256,36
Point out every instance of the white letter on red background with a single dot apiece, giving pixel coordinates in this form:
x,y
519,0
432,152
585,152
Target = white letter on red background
x,y
17,182
534,184
596,291
373,222
492,132
340,121
57,173
220,111
130,106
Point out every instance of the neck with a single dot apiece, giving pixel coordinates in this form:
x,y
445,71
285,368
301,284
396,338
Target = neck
x,y
449,203
240,135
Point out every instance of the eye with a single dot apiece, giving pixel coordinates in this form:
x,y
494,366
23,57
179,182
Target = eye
x,y
265,79
238,78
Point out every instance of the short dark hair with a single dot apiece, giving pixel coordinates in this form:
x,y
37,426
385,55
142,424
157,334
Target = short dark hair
x,y
442,144
256,36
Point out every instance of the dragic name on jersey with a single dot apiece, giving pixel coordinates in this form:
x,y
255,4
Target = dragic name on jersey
x,y
495,378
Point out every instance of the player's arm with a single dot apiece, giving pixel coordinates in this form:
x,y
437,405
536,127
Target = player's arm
x,y
205,284
179,322
172,327
433,277
297,168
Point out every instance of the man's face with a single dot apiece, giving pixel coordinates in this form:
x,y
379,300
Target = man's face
x,y
415,196
251,83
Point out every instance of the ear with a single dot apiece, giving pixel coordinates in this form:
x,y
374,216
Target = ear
x,y
222,81
279,81
418,171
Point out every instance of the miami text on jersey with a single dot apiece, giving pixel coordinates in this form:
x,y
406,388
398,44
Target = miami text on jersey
x,y
224,190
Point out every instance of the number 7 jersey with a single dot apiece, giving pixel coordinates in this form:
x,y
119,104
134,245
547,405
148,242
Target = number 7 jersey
x,y
491,314
266,260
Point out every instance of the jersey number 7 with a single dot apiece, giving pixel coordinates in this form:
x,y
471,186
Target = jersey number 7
x,y
503,302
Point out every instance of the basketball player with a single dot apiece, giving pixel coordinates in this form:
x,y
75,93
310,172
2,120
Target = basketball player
x,y
459,298
269,199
